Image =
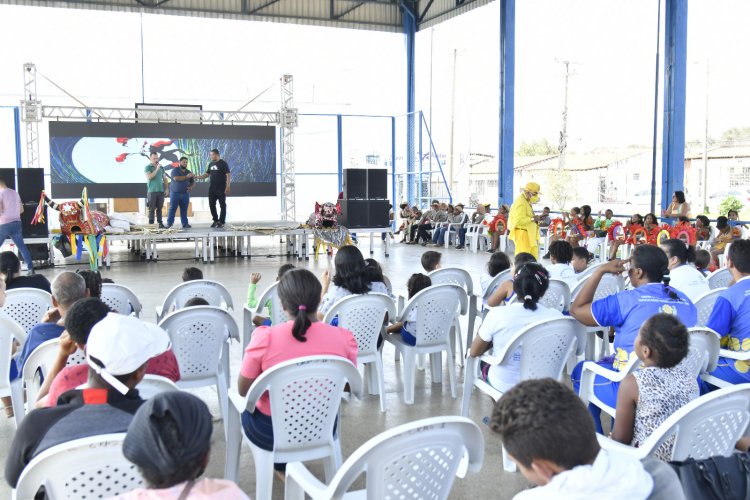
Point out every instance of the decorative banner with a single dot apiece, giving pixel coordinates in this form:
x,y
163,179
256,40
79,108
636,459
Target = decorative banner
x,y
557,228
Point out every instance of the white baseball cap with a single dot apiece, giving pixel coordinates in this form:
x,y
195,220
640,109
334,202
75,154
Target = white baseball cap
x,y
118,345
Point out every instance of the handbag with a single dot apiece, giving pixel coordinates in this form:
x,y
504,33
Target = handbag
x,y
720,478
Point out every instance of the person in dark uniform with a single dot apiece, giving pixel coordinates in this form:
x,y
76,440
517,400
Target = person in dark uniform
x,y
218,187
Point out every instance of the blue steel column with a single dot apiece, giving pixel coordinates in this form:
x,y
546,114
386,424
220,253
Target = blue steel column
x,y
394,201
410,30
340,147
675,59
507,97
17,135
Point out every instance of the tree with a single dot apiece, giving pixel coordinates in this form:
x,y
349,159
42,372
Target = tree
x,y
537,148
736,134
559,189
729,203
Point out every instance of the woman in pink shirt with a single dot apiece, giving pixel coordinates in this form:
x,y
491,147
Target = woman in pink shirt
x,y
299,291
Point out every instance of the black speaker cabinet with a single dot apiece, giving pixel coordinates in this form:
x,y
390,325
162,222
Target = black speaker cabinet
x,y
377,184
355,184
30,187
358,214
378,210
9,175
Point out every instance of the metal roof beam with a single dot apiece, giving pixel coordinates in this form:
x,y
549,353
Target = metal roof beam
x,y
263,6
350,9
424,12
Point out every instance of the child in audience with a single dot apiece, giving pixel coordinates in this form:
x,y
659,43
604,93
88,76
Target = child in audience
x,y
504,292
192,273
350,278
722,238
702,228
374,273
682,273
702,261
546,431
560,254
93,282
252,300
196,301
635,219
431,260
408,329
502,323
647,397
581,259
498,263
650,222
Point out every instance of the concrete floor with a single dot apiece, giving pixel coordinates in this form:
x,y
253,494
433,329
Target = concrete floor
x,y
361,420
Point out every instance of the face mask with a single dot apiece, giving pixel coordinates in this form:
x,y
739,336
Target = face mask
x,y
534,199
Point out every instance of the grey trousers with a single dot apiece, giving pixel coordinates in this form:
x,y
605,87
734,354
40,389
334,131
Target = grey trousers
x,y
155,202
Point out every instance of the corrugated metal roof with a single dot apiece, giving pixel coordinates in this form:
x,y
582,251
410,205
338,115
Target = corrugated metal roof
x,y
379,15
741,151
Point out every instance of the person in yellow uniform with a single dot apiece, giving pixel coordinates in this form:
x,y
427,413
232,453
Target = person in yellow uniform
x,y
522,222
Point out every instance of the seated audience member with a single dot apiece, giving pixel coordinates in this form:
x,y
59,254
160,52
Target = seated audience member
x,y
457,220
431,260
374,273
192,273
117,352
196,301
733,218
560,254
426,223
544,219
498,263
93,282
626,311
581,259
502,323
78,324
408,329
10,268
496,227
650,222
634,220
702,228
730,316
350,278
546,432
169,440
600,227
300,294
504,292
647,397
723,237
67,289
702,261
252,299
682,273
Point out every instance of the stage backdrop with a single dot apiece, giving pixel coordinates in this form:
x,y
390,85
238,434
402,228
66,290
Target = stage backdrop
x,y
109,158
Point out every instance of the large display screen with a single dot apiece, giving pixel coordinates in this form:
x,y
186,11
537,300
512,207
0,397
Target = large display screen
x,y
109,158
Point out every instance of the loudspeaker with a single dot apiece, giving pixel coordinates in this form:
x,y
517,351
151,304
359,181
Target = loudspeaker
x,y
377,184
39,252
355,184
30,187
9,175
358,214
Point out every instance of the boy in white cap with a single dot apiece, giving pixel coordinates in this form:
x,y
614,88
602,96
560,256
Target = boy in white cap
x,y
117,352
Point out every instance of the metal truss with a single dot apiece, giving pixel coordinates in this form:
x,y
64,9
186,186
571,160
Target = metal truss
x,y
288,121
31,109
166,115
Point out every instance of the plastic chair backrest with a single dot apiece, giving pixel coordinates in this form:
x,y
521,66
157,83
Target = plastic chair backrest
x,y
41,360
271,294
9,330
363,315
198,336
121,298
387,283
496,281
151,385
703,353
588,271
557,296
26,306
707,426
91,467
546,346
705,305
436,310
419,459
452,275
305,394
212,291
719,278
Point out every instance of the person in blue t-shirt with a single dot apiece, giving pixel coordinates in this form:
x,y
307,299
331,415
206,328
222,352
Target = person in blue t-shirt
x,y
730,317
626,311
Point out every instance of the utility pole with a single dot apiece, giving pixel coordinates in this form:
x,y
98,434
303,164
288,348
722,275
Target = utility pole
x,y
453,124
563,145
705,144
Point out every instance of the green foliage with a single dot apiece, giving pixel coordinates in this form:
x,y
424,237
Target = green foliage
x,y
736,134
537,148
559,189
729,203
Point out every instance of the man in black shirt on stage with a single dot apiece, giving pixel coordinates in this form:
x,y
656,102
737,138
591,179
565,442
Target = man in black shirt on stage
x,y
218,187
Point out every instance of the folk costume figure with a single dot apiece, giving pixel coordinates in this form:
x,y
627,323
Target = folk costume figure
x,y
522,223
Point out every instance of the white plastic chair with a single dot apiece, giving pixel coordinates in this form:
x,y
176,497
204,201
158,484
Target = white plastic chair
x,y
121,299
476,237
545,348
10,331
588,271
723,257
26,306
212,291
703,353
705,427
460,277
415,460
610,284
719,278
151,385
705,305
451,232
305,394
437,309
556,297
363,315
200,339
278,315
90,467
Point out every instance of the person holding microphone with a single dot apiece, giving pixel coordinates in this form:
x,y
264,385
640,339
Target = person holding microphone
x,y
156,189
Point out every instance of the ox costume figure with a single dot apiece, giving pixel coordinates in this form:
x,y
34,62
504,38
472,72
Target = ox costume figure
x,y
79,225
326,229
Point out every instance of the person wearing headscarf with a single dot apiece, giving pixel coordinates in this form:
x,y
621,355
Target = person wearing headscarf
x,y
169,440
522,222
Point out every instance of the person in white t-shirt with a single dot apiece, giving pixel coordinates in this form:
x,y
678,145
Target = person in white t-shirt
x,y
560,254
529,284
683,275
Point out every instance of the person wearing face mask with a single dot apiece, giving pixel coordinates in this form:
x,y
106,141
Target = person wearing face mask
x,y
522,222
